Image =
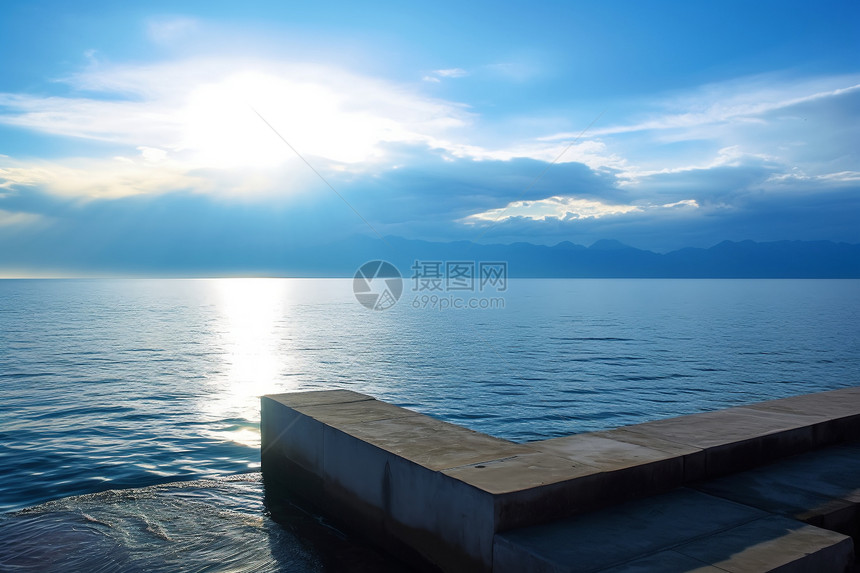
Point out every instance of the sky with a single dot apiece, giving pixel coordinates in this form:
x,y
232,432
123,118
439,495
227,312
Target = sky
x,y
133,129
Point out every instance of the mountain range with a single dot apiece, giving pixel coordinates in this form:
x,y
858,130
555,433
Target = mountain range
x,y
603,259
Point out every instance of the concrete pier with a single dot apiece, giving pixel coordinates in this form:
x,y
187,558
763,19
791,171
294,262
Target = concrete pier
x,y
679,494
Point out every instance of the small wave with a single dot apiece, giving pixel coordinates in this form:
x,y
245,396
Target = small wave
x,y
143,350
590,339
27,374
207,524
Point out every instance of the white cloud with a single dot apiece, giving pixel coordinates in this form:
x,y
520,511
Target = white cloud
x,y
192,124
192,116
452,73
797,175
201,115
592,153
741,101
842,176
680,204
152,154
436,75
8,218
566,209
205,109
732,156
770,132
100,178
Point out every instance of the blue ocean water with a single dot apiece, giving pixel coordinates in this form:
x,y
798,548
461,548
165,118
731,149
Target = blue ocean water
x,y
131,385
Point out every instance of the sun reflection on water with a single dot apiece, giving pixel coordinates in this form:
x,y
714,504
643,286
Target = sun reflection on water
x,y
251,311
252,337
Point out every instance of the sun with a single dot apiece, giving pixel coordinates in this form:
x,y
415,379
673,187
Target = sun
x,y
221,127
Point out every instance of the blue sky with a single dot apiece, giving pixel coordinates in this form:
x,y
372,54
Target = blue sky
x,y
660,124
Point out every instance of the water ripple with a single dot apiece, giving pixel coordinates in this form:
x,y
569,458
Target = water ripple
x,y
204,525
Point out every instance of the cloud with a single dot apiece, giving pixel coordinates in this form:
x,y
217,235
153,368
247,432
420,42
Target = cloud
x,y
743,100
180,232
451,73
8,219
825,214
808,123
592,153
434,187
172,122
436,75
797,176
566,209
86,178
552,207
182,140
203,115
428,197
198,105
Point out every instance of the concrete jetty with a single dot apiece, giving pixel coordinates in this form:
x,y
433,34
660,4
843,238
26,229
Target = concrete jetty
x,y
764,487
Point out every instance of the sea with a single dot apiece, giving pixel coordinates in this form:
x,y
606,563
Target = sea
x,y
129,408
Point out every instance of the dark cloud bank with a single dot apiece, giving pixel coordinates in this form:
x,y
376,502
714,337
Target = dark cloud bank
x,y
314,234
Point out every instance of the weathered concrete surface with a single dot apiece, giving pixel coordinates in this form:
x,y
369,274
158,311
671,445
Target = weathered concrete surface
x,y
773,543
832,405
735,439
432,443
439,493
681,531
603,451
615,535
664,562
394,464
820,488
377,467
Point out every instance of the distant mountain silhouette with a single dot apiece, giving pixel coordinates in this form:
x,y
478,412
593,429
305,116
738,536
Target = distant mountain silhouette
x,y
608,245
604,259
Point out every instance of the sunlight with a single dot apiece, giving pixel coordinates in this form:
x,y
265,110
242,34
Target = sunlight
x,y
221,128
250,339
251,309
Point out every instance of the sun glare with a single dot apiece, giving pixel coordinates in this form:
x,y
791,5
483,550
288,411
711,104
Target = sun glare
x,y
221,128
253,360
251,310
